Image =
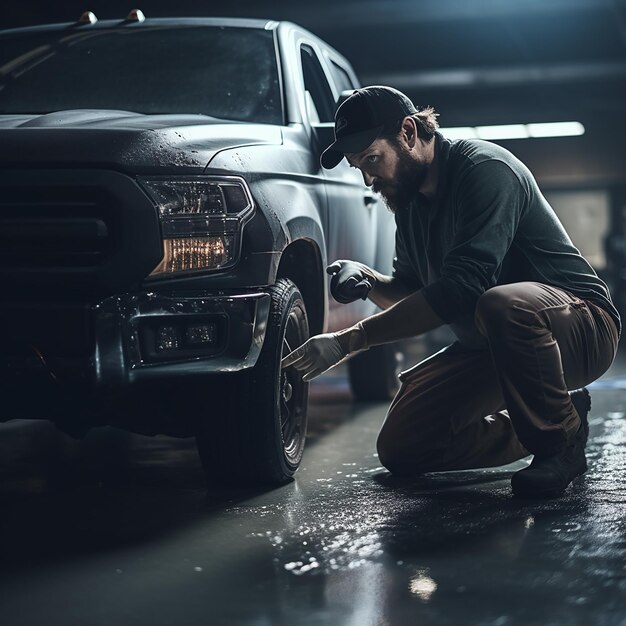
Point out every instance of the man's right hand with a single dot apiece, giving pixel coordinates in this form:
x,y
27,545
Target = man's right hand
x,y
350,280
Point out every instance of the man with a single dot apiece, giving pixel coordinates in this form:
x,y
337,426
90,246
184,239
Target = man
x,y
479,248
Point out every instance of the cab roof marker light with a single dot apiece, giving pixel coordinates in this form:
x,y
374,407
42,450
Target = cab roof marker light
x,y
516,131
136,15
87,18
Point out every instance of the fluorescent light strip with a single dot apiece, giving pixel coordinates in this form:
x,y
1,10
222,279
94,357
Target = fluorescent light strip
x,y
516,131
556,129
508,131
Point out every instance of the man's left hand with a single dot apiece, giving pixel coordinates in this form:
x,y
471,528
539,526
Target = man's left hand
x,y
316,355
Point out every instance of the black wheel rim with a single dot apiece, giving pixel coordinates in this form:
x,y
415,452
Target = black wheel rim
x,y
292,391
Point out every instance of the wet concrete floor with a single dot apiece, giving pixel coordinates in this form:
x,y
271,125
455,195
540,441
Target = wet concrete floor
x,y
119,530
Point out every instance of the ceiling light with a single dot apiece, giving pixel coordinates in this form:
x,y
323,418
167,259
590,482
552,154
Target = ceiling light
x,y
516,131
507,131
460,132
556,129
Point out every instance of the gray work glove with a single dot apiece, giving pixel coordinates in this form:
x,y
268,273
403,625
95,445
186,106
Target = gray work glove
x,y
316,355
350,280
320,353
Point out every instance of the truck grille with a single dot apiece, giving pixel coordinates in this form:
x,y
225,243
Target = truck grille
x,y
74,235
51,232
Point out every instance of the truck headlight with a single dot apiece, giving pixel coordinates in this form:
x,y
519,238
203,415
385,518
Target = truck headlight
x,y
202,219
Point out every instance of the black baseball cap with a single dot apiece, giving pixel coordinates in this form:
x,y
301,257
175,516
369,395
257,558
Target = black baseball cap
x,y
362,118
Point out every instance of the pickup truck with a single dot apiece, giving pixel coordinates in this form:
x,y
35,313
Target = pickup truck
x,y
164,230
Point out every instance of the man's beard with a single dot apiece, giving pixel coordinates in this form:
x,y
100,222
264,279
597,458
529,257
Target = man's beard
x,y
409,177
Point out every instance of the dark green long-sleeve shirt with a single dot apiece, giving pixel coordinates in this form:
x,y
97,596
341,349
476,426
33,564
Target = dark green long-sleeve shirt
x,y
487,225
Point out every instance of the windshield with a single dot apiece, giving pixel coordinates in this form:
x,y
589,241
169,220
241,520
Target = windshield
x,y
228,73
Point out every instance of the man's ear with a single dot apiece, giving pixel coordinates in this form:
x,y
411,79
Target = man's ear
x,y
408,132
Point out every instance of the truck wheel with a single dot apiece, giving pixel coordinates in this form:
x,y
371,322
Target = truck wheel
x,y
259,438
374,373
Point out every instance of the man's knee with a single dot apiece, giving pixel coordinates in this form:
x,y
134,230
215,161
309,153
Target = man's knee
x,y
398,455
386,446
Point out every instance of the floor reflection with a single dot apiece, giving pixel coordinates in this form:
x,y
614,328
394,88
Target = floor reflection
x,y
127,517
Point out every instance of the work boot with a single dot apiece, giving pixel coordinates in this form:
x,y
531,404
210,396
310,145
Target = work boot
x,y
549,475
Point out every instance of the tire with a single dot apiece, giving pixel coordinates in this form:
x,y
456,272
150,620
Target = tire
x,y
374,373
260,437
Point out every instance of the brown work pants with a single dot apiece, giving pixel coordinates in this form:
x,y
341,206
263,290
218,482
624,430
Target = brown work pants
x,y
463,408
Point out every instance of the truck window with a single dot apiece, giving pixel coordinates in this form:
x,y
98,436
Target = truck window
x,y
228,73
341,78
316,84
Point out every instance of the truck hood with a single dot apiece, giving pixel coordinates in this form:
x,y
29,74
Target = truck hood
x,y
124,140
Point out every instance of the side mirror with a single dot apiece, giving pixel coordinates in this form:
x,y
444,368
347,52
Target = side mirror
x,y
344,95
324,132
324,135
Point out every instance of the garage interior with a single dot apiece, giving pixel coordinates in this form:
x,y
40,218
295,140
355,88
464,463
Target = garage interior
x,y
119,529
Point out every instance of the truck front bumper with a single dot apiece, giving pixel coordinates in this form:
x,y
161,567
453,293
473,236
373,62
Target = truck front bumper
x,y
149,335
134,337
130,349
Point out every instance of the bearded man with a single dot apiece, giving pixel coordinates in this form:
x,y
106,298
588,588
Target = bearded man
x,y
479,248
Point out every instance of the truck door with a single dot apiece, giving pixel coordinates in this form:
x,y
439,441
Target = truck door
x,y
352,207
